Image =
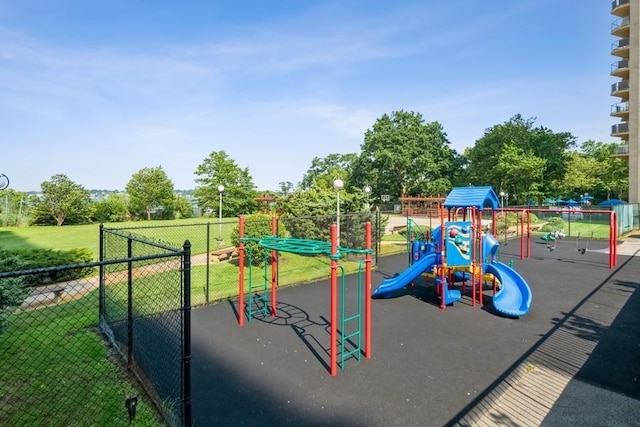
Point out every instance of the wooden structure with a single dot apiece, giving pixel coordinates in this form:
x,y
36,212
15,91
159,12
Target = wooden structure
x,y
264,202
429,206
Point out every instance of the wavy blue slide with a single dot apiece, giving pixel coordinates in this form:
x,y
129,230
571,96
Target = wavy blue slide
x,y
514,297
407,276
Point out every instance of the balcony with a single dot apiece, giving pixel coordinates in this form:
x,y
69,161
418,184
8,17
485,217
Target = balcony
x,y
620,69
620,89
621,110
620,7
620,48
620,130
621,27
622,150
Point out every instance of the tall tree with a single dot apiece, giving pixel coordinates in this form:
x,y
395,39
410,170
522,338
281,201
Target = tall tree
x,y
62,200
612,172
537,147
285,187
149,189
324,170
404,156
239,195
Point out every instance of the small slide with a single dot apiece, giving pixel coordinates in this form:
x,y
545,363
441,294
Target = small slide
x,y
514,296
407,276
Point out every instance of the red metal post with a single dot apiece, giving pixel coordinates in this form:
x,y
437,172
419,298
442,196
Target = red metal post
x,y
522,234
241,272
274,269
443,257
478,237
367,291
493,222
614,238
334,302
529,242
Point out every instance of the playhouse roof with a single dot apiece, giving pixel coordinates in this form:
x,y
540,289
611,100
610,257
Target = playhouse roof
x,y
467,197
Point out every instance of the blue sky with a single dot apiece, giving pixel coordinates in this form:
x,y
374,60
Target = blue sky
x,y
99,89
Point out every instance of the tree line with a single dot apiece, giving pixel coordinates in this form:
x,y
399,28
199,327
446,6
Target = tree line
x,y
402,155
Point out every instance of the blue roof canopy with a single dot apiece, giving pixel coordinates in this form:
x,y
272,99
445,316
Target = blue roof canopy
x,y
472,197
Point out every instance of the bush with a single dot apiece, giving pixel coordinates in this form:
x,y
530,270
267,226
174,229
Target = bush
x,y
553,224
12,293
26,259
256,226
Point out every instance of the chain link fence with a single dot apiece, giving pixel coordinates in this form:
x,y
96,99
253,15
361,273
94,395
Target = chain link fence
x,y
145,313
57,367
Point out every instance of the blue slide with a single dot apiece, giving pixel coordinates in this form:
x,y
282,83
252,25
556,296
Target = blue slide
x,y
514,297
407,276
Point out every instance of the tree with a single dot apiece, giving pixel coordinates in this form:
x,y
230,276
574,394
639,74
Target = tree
x,y
404,156
522,169
308,214
149,190
285,187
612,171
239,195
529,147
581,175
63,201
14,207
324,170
113,208
182,207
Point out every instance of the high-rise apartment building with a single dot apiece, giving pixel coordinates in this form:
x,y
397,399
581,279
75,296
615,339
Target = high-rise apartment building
x,y
626,49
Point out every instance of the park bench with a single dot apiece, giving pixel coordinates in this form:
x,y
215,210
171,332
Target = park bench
x,y
224,253
396,228
56,290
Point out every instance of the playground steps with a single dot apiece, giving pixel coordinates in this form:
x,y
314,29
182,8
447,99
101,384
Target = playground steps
x,y
350,334
259,298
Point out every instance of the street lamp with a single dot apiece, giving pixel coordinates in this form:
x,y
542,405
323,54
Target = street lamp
x,y
367,191
338,184
220,190
502,193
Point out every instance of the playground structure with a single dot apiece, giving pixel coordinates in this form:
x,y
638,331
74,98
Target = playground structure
x,y
458,250
263,302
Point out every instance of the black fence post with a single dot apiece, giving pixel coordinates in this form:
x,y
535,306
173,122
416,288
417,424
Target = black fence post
x,y
130,303
186,335
101,282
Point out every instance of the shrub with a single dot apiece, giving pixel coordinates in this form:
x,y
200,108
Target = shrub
x,y
553,224
256,226
26,259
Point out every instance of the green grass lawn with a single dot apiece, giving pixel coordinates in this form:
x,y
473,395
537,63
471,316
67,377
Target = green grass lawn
x,y
56,371
87,236
600,230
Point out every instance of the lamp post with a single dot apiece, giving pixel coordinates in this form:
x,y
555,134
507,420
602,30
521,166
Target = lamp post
x,y
502,193
338,184
367,191
220,191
